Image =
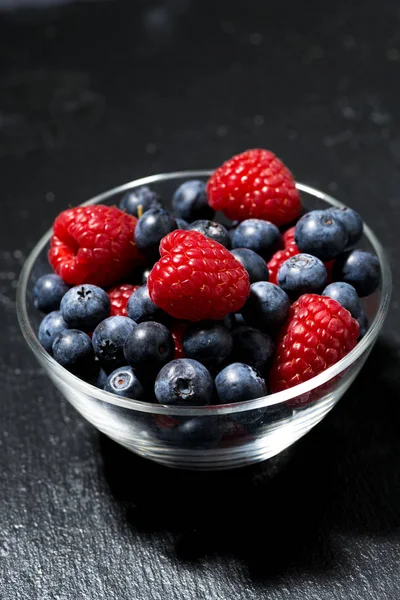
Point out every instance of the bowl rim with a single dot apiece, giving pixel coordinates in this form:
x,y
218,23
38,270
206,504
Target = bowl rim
x,y
82,386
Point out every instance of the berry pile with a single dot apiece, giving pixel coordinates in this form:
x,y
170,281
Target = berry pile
x,y
176,308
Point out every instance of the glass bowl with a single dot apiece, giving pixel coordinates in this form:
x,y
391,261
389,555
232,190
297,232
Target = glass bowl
x,y
213,437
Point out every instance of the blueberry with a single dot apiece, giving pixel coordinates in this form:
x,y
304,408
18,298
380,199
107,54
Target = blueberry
x,y
359,269
190,202
239,382
363,323
302,274
321,234
352,222
229,321
123,382
73,350
149,347
200,432
151,228
267,306
252,347
49,328
143,197
260,236
85,306
213,231
141,308
109,339
208,342
346,295
255,266
182,224
48,292
184,382
254,419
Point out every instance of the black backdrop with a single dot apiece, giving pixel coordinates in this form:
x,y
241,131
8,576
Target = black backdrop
x,y
96,94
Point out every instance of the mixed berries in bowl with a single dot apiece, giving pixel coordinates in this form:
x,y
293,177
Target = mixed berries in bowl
x,y
206,320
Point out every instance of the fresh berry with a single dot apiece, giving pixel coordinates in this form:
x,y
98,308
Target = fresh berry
x,y
48,292
184,382
278,259
252,347
346,295
239,382
49,328
123,382
255,266
197,279
141,308
252,420
302,274
207,342
197,432
73,350
151,228
288,236
318,333
321,234
212,230
363,323
139,200
229,321
181,224
260,236
109,339
94,244
189,201
85,306
177,330
352,223
119,296
255,184
149,347
359,269
267,307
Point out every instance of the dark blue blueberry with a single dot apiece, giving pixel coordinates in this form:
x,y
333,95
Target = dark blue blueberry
x,y
189,201
182,224
363,323
200,432
214,231
229,321
252,347
239,382
302,274
321,234
208,342
48,292
260,236
359,269
151,228
49,328
267,307
85,306
73,350
149,347
352,222
346,295
109,339
254,264
184,382
143,197
123,382
252,420
141,308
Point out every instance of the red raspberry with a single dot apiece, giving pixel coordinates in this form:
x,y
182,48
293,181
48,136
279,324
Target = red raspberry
x,y
278,259
177,331
288,236
255,184
93,244
119,296
197,278
318,333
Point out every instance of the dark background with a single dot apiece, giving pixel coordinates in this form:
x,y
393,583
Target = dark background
x,y
96,94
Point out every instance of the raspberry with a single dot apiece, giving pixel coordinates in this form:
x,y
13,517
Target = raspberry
x,y
278,259
119,296
177,330
288,236
255,184
318,333
197,278
93,244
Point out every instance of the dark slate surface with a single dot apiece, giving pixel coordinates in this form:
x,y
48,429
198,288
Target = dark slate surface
x,y
96,94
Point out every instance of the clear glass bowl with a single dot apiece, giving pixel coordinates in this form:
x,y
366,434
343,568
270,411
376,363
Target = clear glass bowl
x,y
219,437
